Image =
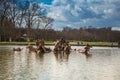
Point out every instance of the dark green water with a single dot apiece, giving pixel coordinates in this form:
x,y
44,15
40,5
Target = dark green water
x,y
103,64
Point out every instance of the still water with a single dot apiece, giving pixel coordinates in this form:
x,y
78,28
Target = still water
x,y
103,64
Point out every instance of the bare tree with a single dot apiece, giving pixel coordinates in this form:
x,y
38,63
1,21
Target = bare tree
x,y
5,7
35,19
27,14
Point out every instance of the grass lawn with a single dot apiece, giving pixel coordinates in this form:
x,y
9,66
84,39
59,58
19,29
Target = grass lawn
x,y
24,43
72,43
94,43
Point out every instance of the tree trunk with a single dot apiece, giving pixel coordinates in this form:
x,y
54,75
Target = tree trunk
x,y
10,39
28,30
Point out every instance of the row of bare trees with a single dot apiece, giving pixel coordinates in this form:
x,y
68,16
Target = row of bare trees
x,y
83,34
91,34
15,14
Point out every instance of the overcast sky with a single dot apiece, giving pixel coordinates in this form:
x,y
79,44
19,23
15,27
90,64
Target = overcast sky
x,y
80,13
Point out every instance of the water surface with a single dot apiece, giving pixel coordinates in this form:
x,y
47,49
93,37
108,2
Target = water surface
x,y
103,64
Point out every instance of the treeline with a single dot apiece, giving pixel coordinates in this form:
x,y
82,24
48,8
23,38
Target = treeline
x,y
91,34
83,34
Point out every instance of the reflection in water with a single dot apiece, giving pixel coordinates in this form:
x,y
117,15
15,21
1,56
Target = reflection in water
x,y
103,65
40,56
61,55
88,56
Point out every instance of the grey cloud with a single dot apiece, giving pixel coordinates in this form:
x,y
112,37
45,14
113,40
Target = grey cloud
x,y
86,12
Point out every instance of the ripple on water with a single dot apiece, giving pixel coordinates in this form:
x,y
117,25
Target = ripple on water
x,y
104,64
